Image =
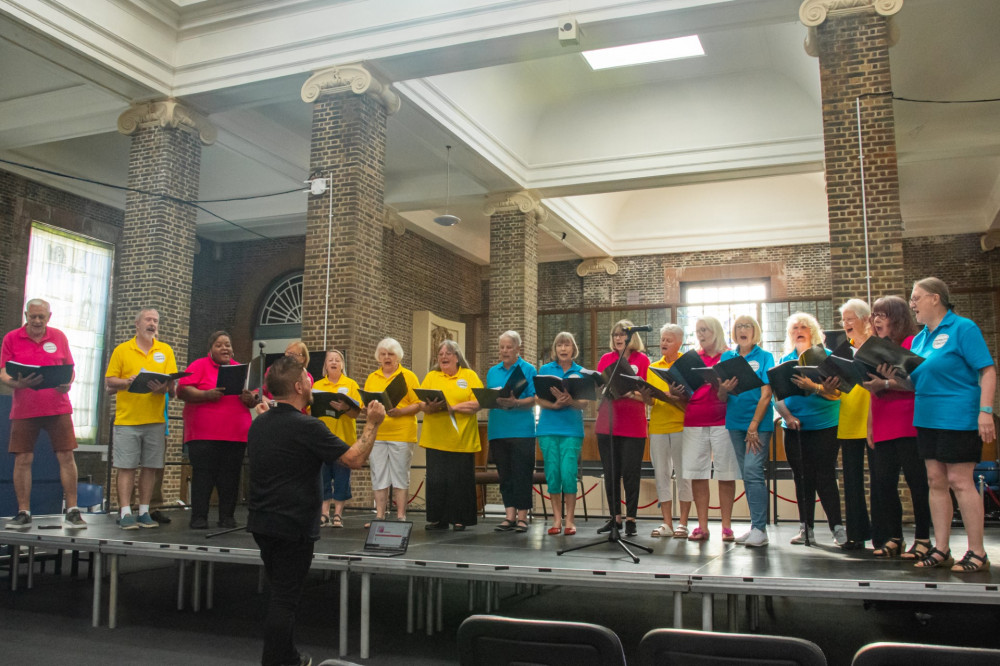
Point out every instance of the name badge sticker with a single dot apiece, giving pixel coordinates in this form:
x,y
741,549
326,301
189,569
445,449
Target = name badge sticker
x,y
755,366
635,369
940,341
159,357
49,347
461,383
342,390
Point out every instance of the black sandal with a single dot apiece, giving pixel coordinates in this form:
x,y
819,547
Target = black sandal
x,y
505,526
971,563
891,548
521,526
918,550
931,560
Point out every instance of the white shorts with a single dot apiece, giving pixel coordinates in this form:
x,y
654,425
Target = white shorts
x,y
390,464
709,449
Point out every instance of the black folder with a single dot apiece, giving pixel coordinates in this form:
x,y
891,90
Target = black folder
x,y
580,388
780,379
841,363
52,375
682,371
326,403
747,379
233,378
430,395
138,384
876,351
391,396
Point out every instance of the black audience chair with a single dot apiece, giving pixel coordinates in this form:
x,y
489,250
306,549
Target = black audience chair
x,y
660,647
906,654
489,640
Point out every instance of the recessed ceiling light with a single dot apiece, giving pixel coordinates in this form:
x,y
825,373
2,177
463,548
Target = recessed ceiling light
x,y
639,54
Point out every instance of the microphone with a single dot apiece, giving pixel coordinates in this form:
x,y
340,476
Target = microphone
x,y
629,330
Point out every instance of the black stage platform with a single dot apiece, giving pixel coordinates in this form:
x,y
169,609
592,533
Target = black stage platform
x,y
487,559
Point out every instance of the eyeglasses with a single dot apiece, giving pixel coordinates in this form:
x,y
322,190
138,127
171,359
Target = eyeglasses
x,y
295,354
743,325
879,315
915,298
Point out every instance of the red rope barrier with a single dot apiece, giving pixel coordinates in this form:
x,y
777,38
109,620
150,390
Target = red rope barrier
x,y
417,492
549,497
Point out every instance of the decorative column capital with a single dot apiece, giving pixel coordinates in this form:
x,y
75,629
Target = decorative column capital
x,y
393,220
990,240
355,78
166,113
814,12
597,265
524,201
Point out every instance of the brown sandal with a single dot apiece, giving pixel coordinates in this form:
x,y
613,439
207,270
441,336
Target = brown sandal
x,y
972,563
931,560
918,550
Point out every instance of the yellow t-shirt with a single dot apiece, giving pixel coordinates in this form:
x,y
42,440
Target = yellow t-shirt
x,y
438,432
396,428
664,417
854,414
345,427
128,360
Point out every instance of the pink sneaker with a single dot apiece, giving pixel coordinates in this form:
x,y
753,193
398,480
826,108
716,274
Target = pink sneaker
x,y
727,534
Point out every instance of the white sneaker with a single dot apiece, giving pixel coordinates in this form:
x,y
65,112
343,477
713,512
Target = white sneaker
x,y
743,537
756,538
839,535
800,538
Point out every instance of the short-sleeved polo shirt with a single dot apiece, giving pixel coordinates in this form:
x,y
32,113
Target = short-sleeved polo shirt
x,y
128,360
396,428
506,423
741,408
52,349
565,422
814,412
664,417
345,427
438,431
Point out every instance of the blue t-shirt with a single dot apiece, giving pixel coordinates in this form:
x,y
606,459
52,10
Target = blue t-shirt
x,y
741,408
565,422
813,411
506,423
947,382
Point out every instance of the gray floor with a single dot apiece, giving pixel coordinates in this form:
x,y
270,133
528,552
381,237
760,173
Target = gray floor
x,y
51,623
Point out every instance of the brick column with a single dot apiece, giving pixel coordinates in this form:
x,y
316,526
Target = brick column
x,y
342,290
513,297
851,38
155,257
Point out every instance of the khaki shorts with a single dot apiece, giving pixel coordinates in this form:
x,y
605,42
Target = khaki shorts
x,y
140,446
24,433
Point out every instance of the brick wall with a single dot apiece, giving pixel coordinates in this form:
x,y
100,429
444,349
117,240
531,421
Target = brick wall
x,y
854,63
513,289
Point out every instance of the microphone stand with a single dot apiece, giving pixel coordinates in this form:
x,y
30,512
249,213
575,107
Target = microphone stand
x,y
614,535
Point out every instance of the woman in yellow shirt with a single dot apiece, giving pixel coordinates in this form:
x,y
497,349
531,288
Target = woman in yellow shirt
x,y
390,458
450,436
337,478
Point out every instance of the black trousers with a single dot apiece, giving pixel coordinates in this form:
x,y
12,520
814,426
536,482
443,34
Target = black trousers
x,y
451,487
215,464
887,459
812,455
515,461
628,468
286,565
856,509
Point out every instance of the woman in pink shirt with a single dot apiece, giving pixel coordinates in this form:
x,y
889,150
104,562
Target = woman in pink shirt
x,y
629,430
707,448
893,439
215,432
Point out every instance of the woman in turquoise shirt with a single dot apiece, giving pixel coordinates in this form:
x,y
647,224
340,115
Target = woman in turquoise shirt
x,y
953,413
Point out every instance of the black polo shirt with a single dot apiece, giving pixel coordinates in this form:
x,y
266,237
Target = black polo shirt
x,y
287,449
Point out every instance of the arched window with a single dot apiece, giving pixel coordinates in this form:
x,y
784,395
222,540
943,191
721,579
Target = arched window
x,y
281,310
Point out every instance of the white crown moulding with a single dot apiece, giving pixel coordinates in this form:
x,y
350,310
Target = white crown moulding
x,y
166,113
355,78
814,12
597,265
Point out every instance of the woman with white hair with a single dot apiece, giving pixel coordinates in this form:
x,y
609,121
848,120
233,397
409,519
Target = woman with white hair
x,y
750,424
708,450
810,435
666,437
390,457
511,434
852,432
450,437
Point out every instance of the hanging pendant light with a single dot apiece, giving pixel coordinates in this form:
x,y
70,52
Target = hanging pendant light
x,y
447,220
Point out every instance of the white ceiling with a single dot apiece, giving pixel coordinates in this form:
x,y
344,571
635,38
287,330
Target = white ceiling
x,y
714,152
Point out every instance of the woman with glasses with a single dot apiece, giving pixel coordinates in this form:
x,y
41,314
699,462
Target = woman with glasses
x,y
300,352
894,444
852,432
750,424
336,477
810,435
953,413
708,450
629,430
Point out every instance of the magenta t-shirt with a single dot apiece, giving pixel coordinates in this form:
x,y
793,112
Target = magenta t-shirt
x,y
892,412
705,409
630,415
227,420
52,349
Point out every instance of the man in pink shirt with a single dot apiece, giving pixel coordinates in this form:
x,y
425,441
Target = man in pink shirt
x,y
35,409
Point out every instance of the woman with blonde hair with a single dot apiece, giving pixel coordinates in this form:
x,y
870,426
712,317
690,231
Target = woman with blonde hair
x,y
708,450
810,435
560,433
750,424
336,477
629,436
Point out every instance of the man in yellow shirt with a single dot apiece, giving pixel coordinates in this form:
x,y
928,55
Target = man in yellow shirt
x,y
139,434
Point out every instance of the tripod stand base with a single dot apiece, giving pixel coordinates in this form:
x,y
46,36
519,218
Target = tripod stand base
x,y
614,537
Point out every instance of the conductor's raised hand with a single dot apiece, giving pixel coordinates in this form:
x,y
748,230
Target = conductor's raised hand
x,y
375,412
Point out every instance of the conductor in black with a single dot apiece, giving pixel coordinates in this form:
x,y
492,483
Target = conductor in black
x,y
287,449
